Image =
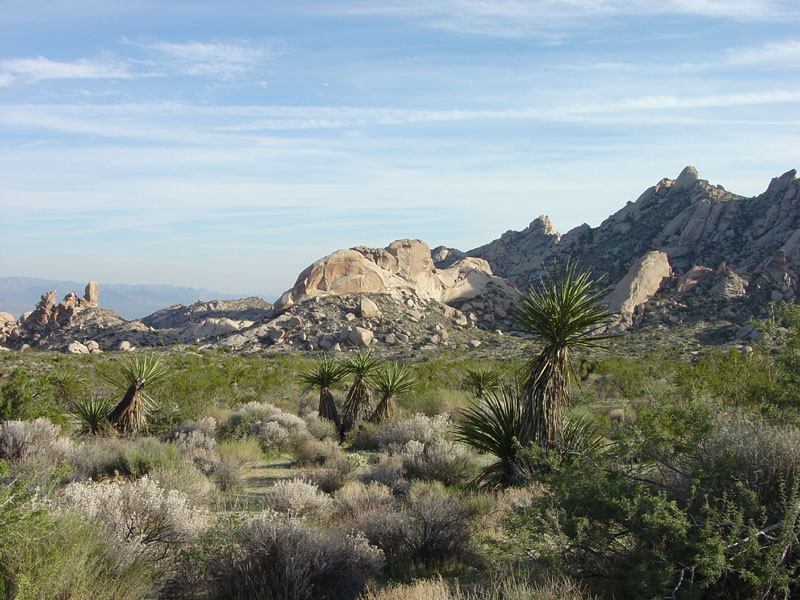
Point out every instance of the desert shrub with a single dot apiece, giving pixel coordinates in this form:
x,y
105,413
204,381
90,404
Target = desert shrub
x,y
185,477
320,428
441,460
271,435
364,437
275,557
240,419
422,445
63,556
94,457
297,497
356,498
749,451
431,526
419,427
141,456
24,396
234,455
140,519
317,452
24,440
333,474
388,470
500,588
687,502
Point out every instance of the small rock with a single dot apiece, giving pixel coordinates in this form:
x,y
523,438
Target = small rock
x,y
473,317
93,347
390,339
415,315
462,321
368,308
403,337
276,336
77,348
295,321
337,348
474,343
125,346
435,339
360,336
349,317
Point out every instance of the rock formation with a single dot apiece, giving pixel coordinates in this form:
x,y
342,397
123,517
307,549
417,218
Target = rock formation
x,y
639,285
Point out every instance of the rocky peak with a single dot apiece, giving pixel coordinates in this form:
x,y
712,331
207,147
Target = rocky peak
x,y
686,180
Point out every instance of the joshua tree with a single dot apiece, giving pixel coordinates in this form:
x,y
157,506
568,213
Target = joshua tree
x,y
564,313
325,373
482,381
391,381
130,415
361,366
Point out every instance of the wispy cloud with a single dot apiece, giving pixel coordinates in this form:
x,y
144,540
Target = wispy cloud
x,y
39,68
215,58
518,18
223,60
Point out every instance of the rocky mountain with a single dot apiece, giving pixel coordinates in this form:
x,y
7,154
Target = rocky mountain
x,y
686,256
19,294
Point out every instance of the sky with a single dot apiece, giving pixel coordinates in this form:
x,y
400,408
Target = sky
x,y
228,145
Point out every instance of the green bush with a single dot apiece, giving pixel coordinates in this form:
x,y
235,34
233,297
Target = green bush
x,y
28,397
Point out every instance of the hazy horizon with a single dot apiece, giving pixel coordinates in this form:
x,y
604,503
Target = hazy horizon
x,y
220,147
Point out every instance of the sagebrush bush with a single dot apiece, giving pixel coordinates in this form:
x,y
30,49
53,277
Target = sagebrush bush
x,y
317,452
440,460
185,477
320,428
234,455
272,436
272,557
22,440
240,419
502,588
141,456
64,556
429,525
297,497
333,474
388,470
357,498
418,427
141,520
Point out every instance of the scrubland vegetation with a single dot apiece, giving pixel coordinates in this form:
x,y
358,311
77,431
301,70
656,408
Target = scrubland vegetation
x,y
669,477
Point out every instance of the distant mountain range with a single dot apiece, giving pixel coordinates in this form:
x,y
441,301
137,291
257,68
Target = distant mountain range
x,y
20,294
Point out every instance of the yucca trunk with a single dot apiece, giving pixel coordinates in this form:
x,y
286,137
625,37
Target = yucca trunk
x,y
384,411
327,407
129,415
355,405
546,397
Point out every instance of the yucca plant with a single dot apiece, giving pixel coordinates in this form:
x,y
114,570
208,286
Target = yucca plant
x,y
482,381
361,365
493,426
564,313
68,386
91,415
136,373
391,381
325,373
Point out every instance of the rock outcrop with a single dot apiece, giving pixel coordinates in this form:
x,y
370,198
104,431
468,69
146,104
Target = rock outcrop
x,y
403,266
639,285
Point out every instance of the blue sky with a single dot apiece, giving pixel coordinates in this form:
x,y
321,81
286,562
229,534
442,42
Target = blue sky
x,y
229,145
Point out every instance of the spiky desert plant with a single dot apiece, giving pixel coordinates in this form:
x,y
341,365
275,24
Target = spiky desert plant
x,y
482,381
493,426
325,373
68,386
391,381
136,373
361,366
564,313
91,415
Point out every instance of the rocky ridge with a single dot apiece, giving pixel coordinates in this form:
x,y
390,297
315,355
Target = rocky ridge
x,y
685,254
